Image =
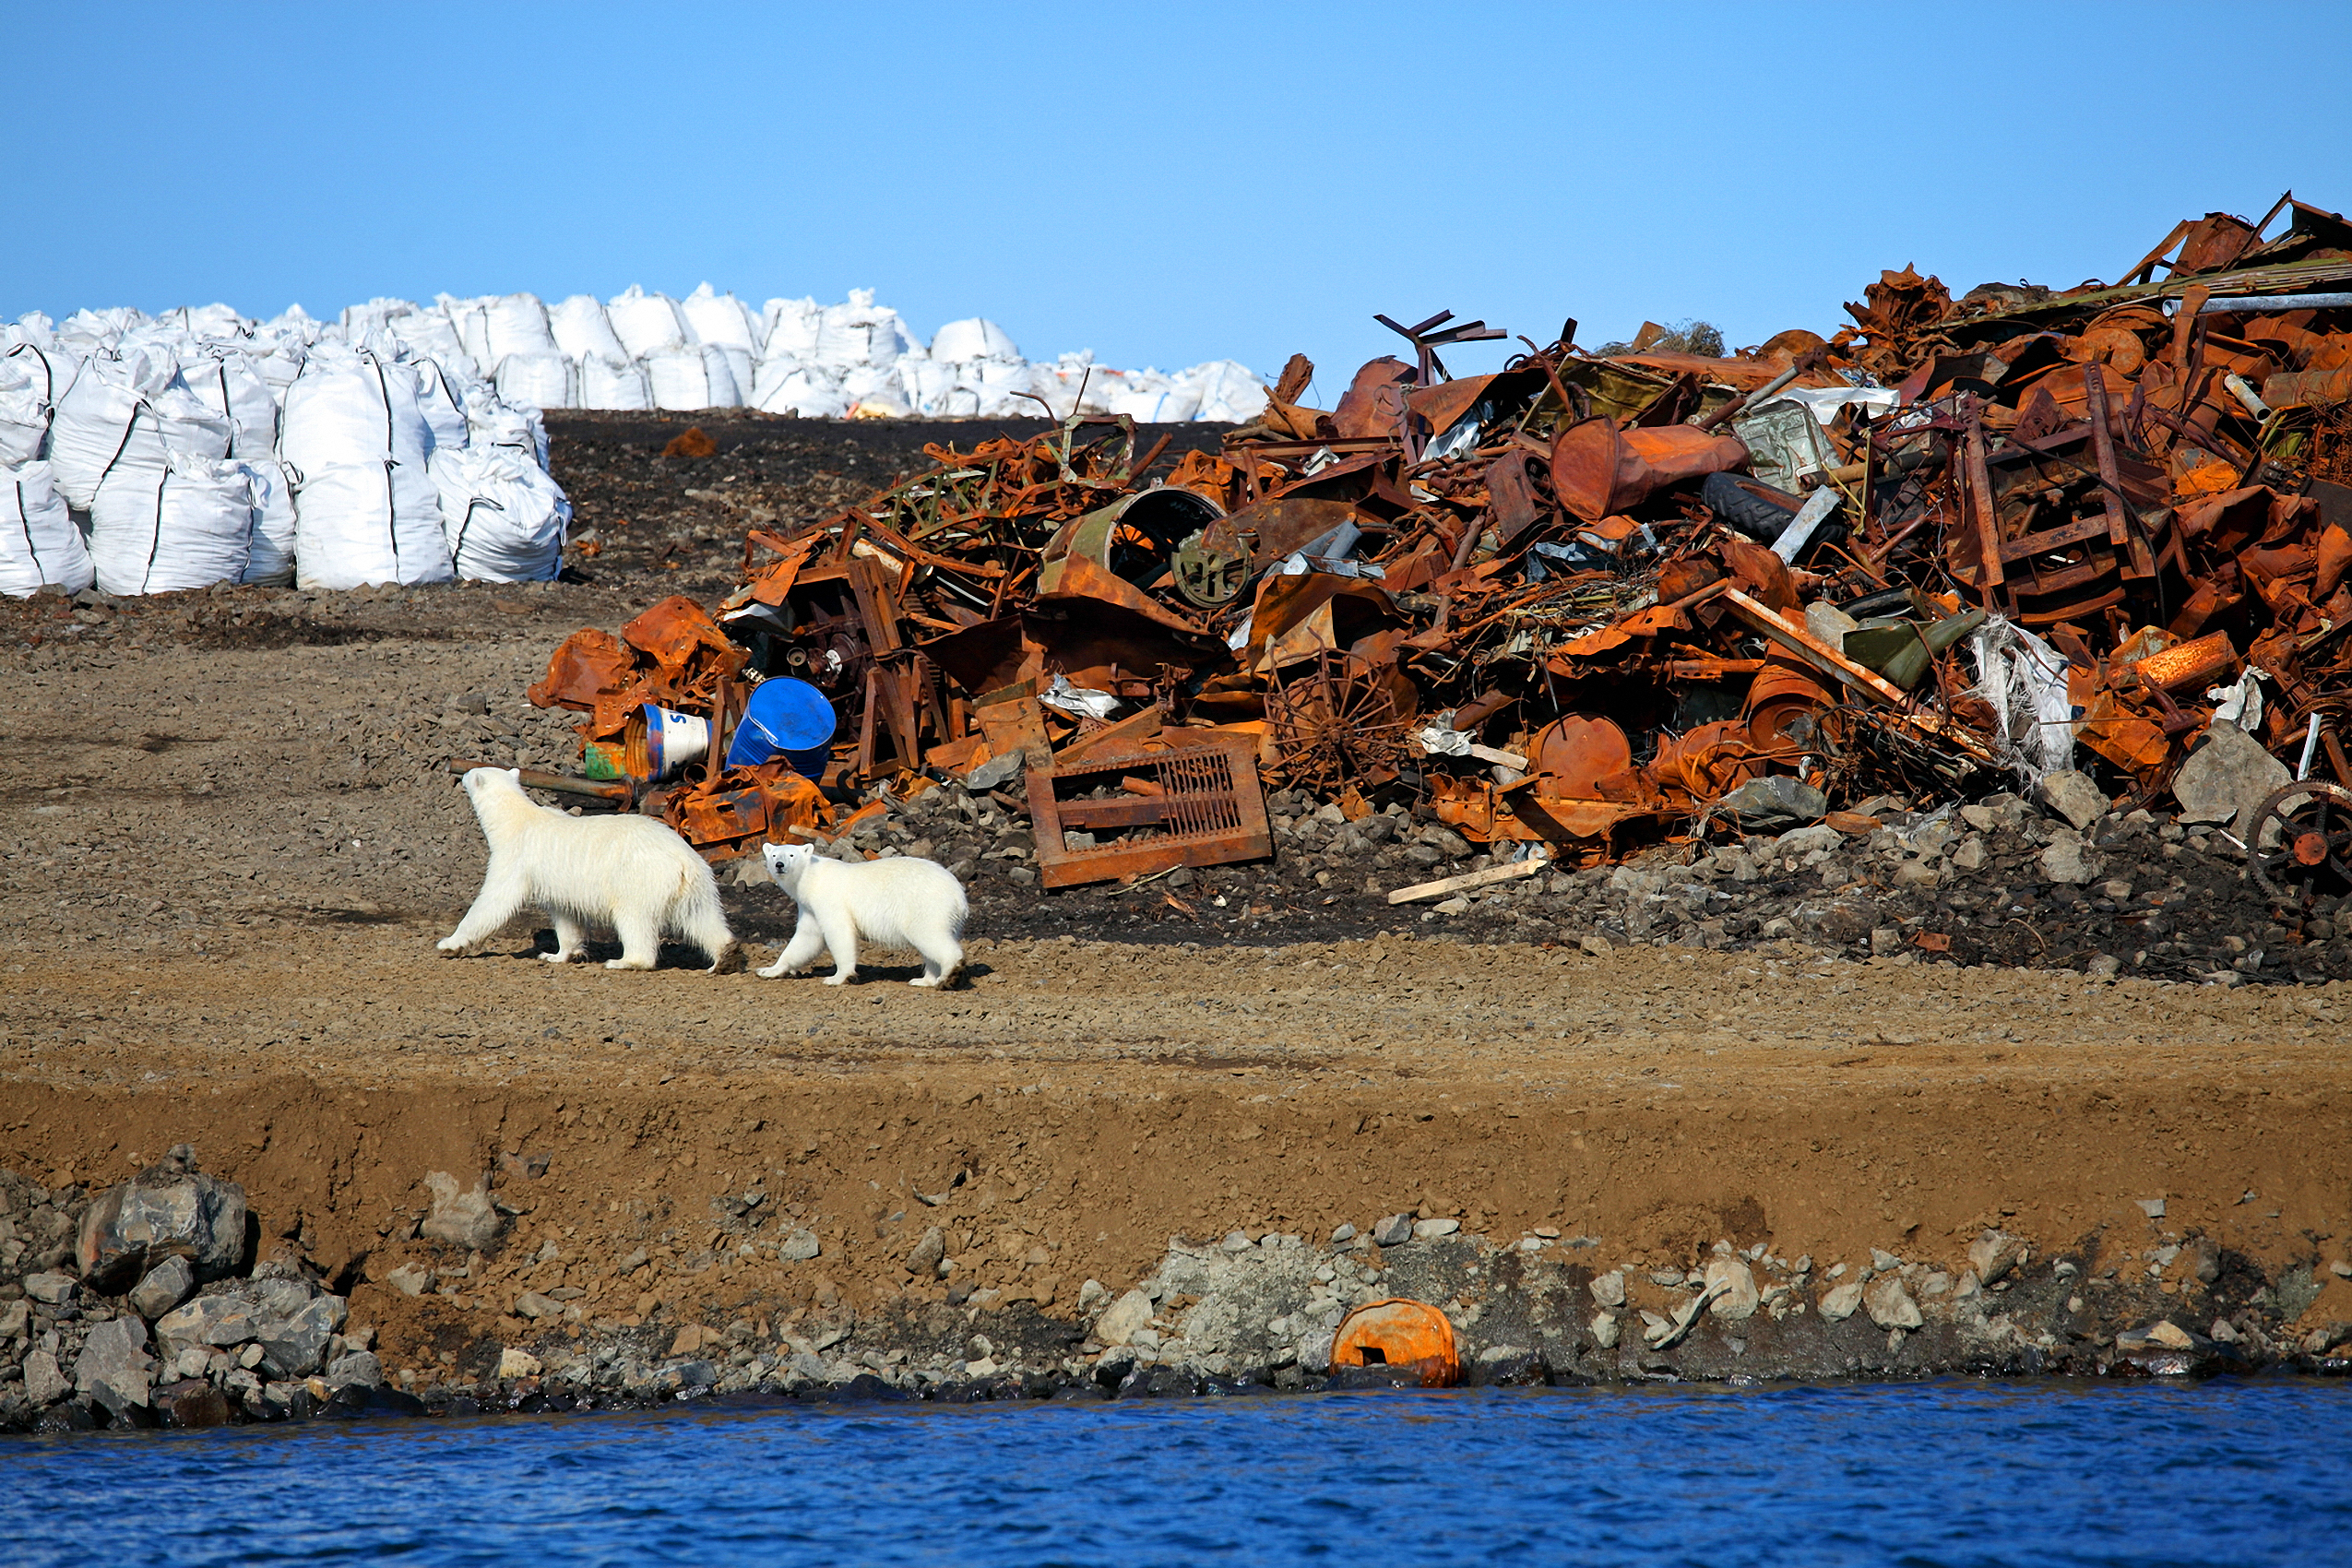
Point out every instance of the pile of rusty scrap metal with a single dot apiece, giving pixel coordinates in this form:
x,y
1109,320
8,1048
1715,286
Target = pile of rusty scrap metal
x,y
1590,600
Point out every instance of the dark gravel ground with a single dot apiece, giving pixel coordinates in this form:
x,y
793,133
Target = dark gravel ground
x,y
678,523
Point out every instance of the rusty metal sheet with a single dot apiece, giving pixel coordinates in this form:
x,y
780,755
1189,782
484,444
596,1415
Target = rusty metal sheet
x,y
1210,811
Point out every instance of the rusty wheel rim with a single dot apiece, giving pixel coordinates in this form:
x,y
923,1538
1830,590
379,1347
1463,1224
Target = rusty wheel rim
x,y
1332,721
2300,845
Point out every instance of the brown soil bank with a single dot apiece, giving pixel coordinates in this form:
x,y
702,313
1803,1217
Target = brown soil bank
x,y
666,1147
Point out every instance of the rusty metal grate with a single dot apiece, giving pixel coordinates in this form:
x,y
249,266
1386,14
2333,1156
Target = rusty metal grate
x,y
1192,807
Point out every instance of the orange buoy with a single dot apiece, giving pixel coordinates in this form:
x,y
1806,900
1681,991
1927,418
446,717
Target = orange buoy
x,y
1399,1333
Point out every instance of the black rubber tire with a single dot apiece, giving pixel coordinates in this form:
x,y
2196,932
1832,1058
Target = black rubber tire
x,y
1757,510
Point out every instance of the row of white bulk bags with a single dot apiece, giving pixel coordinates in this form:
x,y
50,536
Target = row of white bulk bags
x,y
1227,392
198,522
725,323
503,516
124,416
582,333
40,546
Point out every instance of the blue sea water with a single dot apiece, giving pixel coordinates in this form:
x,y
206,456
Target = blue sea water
x,y
2222,1472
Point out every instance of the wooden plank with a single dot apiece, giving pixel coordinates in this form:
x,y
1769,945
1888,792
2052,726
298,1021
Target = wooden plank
x,y
1512,871
1811,649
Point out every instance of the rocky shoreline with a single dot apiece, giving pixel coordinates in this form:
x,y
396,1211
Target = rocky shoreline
x,y
142,1306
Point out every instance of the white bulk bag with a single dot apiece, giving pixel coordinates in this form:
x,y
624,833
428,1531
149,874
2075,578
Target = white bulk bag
x,y
788,386
226,382
1148,398
31,380
274,529
610,382
537,380
441,403
976,337
860,333
188,527
581,332
788,329
517,324
504,517
646,322
357,321
470,320
721,319
430,334
89,331
926,385
1229,393
124,416
377,522
351,406
277,357
491,422
38,544
33,327
691,376
215,322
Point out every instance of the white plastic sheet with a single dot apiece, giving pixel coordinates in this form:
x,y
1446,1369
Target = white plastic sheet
x,y
2023,680
38,544
504,517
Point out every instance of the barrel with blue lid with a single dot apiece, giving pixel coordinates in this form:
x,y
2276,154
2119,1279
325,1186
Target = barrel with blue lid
x,y
785,718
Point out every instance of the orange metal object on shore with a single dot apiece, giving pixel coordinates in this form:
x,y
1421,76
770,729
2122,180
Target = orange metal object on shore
x,y
1399,1333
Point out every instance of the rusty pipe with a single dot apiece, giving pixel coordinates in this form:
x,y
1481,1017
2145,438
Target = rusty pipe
x,y
560,783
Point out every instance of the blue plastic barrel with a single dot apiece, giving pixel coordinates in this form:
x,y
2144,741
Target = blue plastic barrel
x,y
785,718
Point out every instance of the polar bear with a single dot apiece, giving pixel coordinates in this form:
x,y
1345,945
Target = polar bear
x,y
898,902
626,871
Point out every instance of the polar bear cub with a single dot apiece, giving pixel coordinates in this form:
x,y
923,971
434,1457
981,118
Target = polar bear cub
x,y
898,902
626,871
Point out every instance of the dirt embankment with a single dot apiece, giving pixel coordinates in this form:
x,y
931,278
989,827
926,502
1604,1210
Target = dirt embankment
x,y
1081,1104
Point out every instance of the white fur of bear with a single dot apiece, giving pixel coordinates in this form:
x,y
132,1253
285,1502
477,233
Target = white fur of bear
x,y
897,902
626,871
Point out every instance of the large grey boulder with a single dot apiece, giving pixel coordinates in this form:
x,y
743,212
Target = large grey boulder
x,y
165,1286
170,1209
2226,778
45,1381
294,1347
114,1367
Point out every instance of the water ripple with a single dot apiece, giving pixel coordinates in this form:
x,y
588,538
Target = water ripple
x,y
1939,1474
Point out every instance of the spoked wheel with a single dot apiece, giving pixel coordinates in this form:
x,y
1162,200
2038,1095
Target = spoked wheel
x,y
1334,720
2302,845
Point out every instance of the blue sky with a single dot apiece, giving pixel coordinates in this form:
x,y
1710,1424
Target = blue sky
x,y
1160,184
